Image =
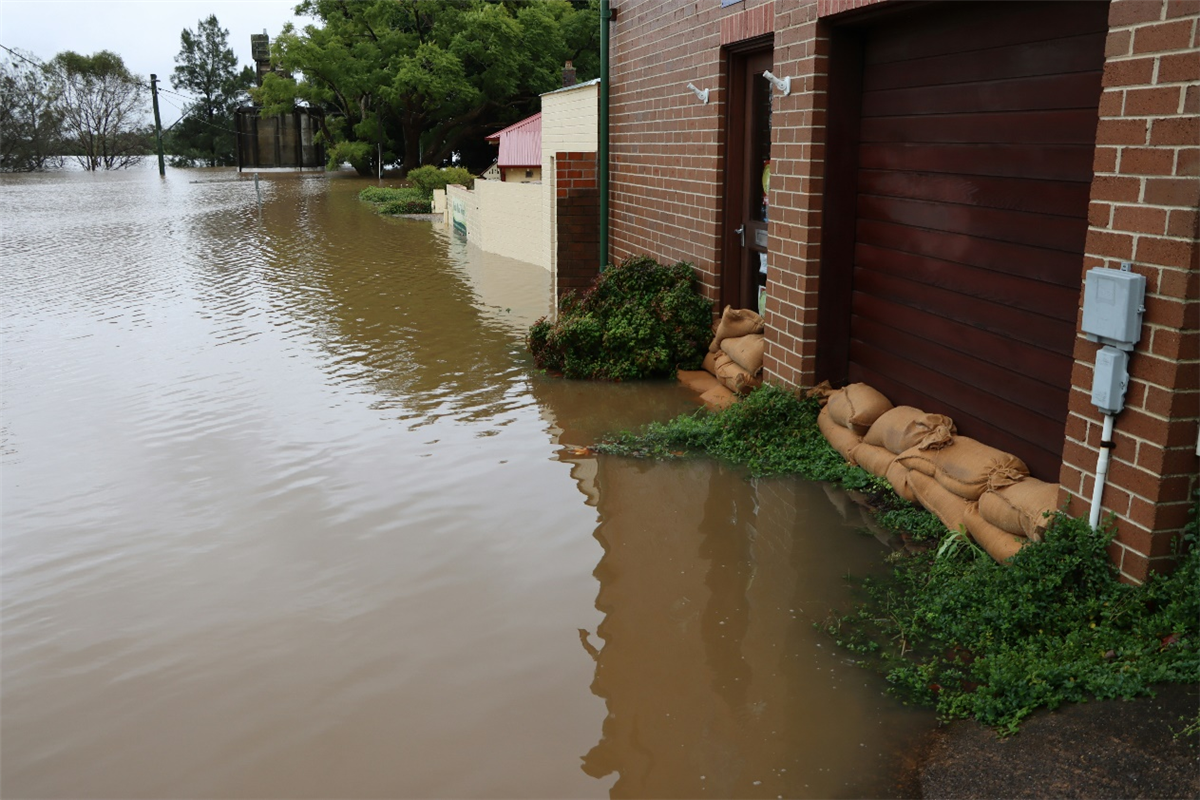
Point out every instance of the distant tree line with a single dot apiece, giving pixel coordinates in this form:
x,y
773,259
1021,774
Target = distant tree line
x,y
90,108
94,110
418,82
422,82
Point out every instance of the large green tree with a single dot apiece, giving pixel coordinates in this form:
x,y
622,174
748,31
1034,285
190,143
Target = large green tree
x,y
30,117
207,68
417,80
103,108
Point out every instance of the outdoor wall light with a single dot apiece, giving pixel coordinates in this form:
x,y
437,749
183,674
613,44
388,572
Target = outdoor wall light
x,y
784,85
701,93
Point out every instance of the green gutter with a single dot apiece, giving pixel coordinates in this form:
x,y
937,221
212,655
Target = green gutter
x,y
606,16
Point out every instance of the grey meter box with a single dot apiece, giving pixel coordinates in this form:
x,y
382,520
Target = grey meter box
x,y
1113,304
1110,380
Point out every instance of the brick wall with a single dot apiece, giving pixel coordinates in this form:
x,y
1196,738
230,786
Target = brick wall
x,y
1143,209
577,216
667,167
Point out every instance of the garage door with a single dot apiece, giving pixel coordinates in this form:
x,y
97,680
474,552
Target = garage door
x,y
978,123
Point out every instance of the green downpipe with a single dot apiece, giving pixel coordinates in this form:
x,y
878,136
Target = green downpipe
x,y
606,16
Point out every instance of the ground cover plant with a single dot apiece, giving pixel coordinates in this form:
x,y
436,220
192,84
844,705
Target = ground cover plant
x,y
640,319
950,627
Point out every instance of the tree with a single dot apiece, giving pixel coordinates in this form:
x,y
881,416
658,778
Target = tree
x,y
103,106
30,119
416,79
207,68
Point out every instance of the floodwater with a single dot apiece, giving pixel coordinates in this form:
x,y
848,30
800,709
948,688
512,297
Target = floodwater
x,y
288,513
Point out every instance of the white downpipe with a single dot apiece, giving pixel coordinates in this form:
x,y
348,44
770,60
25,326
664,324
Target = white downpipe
x,y
1106,445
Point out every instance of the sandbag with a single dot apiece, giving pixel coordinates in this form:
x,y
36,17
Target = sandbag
x,y
857,406
734,377
746,351
718,397
904,427
843,440
945,505
1021,508
999,544
874,460
966,467
736,322
897,476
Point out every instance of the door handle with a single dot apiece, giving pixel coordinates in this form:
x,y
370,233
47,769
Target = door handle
x,y
741,232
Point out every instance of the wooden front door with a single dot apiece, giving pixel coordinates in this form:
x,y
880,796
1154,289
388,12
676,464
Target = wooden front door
x,y
747,178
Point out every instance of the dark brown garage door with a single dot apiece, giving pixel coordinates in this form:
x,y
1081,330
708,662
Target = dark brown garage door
x,y
976,137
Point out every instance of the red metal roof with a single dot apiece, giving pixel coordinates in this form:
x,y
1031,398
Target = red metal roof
x,y
520,143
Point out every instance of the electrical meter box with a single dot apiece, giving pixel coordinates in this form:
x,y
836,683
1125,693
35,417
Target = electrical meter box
x,y
1113,304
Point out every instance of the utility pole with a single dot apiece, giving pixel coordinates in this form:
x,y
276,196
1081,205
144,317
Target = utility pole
x,y
162,169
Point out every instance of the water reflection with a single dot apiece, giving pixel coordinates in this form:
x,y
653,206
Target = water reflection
x,y
288,513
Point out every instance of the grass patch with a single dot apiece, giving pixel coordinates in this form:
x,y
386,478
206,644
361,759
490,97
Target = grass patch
x,y
951,628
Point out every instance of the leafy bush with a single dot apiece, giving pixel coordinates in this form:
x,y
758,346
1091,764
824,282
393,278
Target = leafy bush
x,y
428,178
640,319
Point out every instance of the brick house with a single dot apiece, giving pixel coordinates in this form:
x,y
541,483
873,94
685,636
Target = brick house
x,y
919,194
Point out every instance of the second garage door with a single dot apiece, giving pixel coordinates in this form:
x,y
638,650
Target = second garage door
x,y
976,141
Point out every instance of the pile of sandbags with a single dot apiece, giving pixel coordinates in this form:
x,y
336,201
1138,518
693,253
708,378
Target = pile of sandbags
x,y
735,355
965,483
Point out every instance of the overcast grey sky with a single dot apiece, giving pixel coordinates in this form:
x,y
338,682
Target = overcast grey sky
x,y
145,33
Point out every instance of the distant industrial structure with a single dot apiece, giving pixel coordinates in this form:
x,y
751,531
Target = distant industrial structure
x,y
281,141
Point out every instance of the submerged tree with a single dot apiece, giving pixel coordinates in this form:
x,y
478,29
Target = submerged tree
x,y
417,79
103,109
30,118
207,67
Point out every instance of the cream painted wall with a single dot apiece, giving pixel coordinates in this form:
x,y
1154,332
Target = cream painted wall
x,y
510,217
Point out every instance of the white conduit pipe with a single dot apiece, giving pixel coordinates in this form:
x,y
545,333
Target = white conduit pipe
x,y
1106,446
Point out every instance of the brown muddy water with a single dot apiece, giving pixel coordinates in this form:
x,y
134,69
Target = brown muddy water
x,y
288,513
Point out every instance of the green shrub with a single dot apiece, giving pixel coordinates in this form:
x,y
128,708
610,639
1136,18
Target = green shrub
x,y
639,320
406,200
428,178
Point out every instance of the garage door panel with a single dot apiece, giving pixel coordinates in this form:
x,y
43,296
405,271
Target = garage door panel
x,y
1013,194
1020,94
1016,227
1049,266
1037,162
1022,326
1046,366
1010,383
1049,300
962,28
1019,61
1072,126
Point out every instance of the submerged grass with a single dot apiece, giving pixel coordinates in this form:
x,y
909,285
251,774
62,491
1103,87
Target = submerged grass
x,y
950,627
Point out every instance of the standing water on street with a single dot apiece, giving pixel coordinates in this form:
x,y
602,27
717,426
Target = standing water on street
x,y
288,512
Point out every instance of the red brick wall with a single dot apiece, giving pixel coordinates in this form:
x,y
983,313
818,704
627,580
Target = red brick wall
x,y
578,220
667,180
1143,209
